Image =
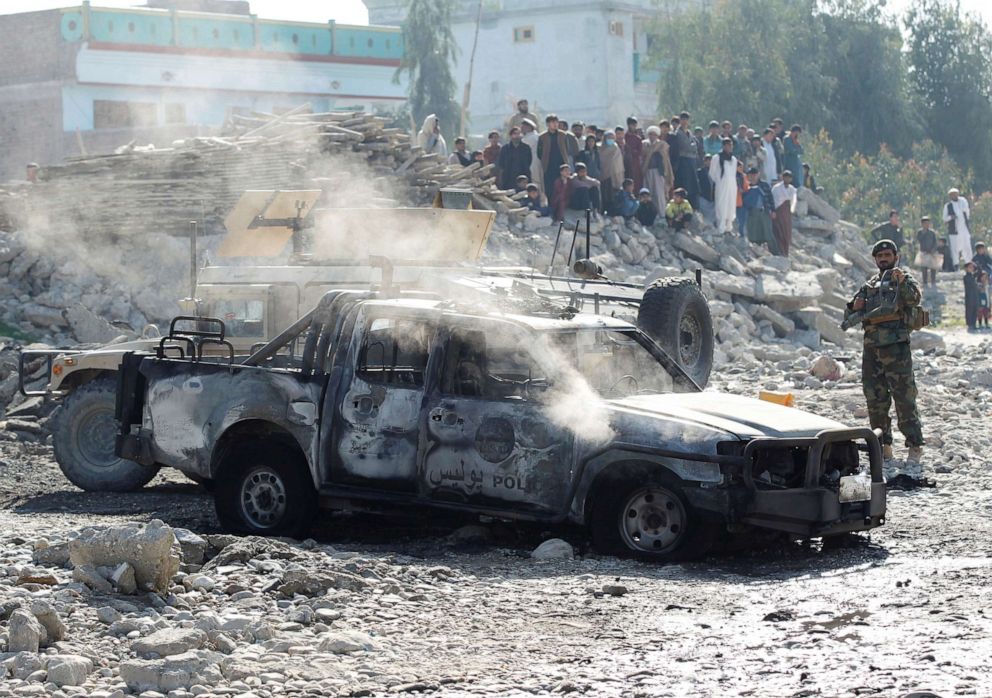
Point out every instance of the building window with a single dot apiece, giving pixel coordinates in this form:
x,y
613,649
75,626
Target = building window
x,y
523,34
175,113
616,28
113,114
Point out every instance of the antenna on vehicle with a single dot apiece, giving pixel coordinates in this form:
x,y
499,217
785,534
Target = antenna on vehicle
x,y
192,259
588,233
571,248
551,265
191,305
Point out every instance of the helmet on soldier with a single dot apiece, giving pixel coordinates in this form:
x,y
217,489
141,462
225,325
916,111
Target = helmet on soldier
x,y
884,245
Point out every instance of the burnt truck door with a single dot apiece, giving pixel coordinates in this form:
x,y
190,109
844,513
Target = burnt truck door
x,y
490,437
377,427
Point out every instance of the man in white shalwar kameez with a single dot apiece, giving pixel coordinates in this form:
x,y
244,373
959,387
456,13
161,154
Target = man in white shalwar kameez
x,y
529,130
956,215
723,174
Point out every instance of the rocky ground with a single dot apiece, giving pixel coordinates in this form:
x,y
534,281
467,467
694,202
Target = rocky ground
x,y
375,607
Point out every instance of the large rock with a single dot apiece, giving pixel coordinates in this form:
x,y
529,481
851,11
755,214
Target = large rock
x,y
147,548
169,641
818,207
925,340
827,368
87,326
696,248
193,547
742,286
346,642
42,315
553,549
790,289
123,579
783,326
88,575
49,619
24,632
309,583
172,673
51,555
68,669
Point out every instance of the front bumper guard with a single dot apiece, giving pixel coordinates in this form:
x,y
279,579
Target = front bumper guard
x,y
814,510
29,356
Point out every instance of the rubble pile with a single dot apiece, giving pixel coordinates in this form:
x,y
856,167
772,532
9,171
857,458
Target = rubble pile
x,y
218,614
138,189
757,300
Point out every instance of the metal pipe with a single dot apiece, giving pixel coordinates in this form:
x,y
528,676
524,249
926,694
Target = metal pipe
x,y
192,260
551,265
588,233
571,249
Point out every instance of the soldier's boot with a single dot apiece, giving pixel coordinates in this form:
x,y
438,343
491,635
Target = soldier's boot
x,y
887,453
915,454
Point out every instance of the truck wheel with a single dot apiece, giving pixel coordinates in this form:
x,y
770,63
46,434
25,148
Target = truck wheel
x,y
83,431
265,490
675,314
650,519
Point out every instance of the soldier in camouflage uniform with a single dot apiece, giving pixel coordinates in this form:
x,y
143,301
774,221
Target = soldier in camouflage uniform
x,y
887,367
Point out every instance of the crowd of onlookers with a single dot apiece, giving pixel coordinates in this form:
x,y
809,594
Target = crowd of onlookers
x,y
742,181
950,252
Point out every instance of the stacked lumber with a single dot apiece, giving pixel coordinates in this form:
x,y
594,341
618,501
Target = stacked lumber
x,y
140,189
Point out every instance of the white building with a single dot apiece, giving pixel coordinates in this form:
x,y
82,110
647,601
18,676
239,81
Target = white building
x,y
581,59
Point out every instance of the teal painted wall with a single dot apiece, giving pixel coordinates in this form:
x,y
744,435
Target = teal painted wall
x,y
198,31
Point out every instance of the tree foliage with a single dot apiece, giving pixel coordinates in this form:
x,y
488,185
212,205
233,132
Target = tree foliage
x,y
429,52
866,187
899,121
950,59
834,64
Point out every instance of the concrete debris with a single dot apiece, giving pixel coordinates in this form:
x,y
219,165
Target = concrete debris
x,y
180,671
123,579
924,340
68,669
169,641
91,577
147,548
826,368
346,642
553,549
24,632
87,326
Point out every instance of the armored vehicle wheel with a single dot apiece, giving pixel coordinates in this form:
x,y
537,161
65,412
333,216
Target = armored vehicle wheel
x,y
651,520
83,432
675,314
265,490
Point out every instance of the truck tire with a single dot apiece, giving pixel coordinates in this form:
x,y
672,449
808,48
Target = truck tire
x,y
83,432
650,519
264,489
675,314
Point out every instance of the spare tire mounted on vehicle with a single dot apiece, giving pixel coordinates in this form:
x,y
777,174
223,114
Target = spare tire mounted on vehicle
x,y
675,314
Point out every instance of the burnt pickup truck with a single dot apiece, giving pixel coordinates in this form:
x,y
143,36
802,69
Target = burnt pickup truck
x,y
371,402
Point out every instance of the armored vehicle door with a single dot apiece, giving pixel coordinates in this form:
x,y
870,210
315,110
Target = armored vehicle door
x,y
491,439
376,435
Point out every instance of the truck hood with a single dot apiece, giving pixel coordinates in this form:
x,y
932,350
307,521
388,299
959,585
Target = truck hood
x,y
695,417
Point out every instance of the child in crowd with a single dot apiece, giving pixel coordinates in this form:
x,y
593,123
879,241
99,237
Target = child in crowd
x,y
971,296
626,203
678,212
535,201
984,312
647,212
